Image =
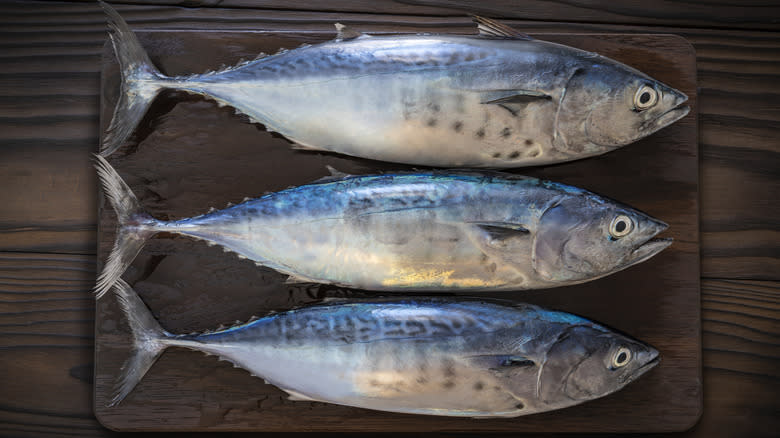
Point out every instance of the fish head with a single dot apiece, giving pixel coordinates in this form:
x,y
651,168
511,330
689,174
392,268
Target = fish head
x,y
606,105
585,236
588,361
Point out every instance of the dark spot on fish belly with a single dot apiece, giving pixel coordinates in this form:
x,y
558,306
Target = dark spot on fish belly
x,y
432,122
434,107
422,380
534,153
251,210
528,142
469,57
374,383
449,384
480,133
506,132
457,126
514,154
479,386
520,405
497,155
449,370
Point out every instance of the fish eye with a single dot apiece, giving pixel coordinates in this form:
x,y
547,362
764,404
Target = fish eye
x,y
622,357
621,226
645,97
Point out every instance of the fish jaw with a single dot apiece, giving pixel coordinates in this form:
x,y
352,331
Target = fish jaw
x,y
651,246
677,111
649,358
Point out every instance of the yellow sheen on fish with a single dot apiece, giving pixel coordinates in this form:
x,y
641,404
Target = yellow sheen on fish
x,y
424,230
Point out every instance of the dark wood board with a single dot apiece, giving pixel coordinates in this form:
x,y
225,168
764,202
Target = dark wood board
x,y
189,155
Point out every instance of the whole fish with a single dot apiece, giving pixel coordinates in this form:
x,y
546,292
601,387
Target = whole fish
x,y
499,99
430,230
428,356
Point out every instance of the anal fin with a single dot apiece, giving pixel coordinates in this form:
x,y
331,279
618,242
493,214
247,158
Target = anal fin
x,y
297,396
293,279
306,147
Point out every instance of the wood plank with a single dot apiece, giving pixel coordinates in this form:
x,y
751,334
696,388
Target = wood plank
x,y
721,14
47,344
738,120
52,383
176,172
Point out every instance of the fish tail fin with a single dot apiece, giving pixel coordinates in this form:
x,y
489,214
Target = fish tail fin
x,y
141,82
134,226
148,341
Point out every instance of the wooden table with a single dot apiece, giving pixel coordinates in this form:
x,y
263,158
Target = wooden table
x,y
49,105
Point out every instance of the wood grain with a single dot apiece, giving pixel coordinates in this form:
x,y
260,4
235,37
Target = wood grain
x,y
738,111
52,51
722,14
740,396
176,172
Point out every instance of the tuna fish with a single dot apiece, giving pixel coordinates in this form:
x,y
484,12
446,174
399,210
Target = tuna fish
x,y
498,99
456,357
431,230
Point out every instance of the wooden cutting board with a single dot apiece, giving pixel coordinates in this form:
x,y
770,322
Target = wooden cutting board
x,y
188,155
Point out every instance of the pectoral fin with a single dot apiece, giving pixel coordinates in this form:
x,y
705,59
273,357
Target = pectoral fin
x,y
505,97
502,362
497,233
506,244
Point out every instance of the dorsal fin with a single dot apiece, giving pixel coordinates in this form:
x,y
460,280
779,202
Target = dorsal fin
x,y
335,172
347,33
335,175
492,28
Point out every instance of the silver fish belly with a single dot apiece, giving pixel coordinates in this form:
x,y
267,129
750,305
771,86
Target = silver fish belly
x,y
500,99
424,356
414,231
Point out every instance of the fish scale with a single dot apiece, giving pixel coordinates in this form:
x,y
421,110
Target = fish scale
x,y
458,357
430,230
498,99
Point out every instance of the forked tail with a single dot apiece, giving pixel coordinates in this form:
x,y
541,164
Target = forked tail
x,y
148,341
141,82
134,226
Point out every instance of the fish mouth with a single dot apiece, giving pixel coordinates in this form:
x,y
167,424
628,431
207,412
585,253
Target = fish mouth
x,y
650,364
667,118
651,246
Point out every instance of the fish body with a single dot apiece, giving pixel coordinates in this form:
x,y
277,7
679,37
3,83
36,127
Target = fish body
x,y
499,99
455,357
411,231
